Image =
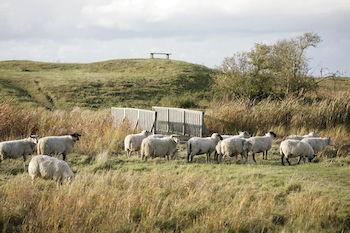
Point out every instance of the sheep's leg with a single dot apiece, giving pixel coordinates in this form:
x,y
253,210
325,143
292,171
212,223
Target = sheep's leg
x,y
64,156
299,160
188,157
24,163
288,161
208,157
304,159
265,155
245,157
282,156
254,157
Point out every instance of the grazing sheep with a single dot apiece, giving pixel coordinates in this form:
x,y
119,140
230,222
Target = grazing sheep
x,y
157,136
293,148
159,147
50,168
233,147
18,148
197,145
55,145
132,142
241,134
261,144
317,143
301,137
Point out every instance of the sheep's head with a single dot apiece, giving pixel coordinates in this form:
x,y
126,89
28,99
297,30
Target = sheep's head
x,y
311,157
145,132
69,179
216,136
271,134
76,136
174,138
34,138
245,134
313,134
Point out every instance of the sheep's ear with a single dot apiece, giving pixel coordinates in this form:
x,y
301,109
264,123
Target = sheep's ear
x,y
220,137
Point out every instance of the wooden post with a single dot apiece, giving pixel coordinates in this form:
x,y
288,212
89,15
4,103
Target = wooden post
x,y
184,123
151,55
202,125
167,56
167,119
154,128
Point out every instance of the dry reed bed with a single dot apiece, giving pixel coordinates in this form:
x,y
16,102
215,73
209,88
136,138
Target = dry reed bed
x,y
172,201
330,116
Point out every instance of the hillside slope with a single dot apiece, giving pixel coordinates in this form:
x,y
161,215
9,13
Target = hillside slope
x,y
125,82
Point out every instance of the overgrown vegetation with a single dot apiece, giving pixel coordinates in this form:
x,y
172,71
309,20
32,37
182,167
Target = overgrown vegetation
x,y
275,71
330,116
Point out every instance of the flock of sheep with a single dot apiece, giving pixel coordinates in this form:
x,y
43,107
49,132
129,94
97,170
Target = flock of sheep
x,y
42,165
158,145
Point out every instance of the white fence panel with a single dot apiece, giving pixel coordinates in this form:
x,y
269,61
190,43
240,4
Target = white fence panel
x,y
138,118
179,121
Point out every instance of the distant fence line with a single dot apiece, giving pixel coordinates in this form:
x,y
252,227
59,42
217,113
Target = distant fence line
x,y
163,120
138,118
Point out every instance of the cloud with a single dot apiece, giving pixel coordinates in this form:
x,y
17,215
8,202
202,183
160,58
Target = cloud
x,y
199,31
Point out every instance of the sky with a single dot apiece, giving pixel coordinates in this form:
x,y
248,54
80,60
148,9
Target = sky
x,y
198,31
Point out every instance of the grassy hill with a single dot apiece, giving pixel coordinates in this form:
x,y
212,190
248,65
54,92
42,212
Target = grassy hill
x,y
124,82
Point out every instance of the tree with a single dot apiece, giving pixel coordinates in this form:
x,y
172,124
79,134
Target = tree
x,y
275,70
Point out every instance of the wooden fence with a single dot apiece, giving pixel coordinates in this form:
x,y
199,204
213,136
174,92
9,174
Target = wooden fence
x,y
163,120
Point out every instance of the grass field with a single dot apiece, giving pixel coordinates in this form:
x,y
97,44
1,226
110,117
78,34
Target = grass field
x,y
129,82
119,194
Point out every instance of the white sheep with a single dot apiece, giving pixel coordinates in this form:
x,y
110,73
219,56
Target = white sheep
x,y
159,147
56,145
301,137
317,143
241,134
197,145
157,136
18,148
233,146
132,142
50,168
261,144
293,148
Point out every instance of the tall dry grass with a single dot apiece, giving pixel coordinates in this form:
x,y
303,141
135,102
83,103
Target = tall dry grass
x,y
331,116
171,201
95,126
